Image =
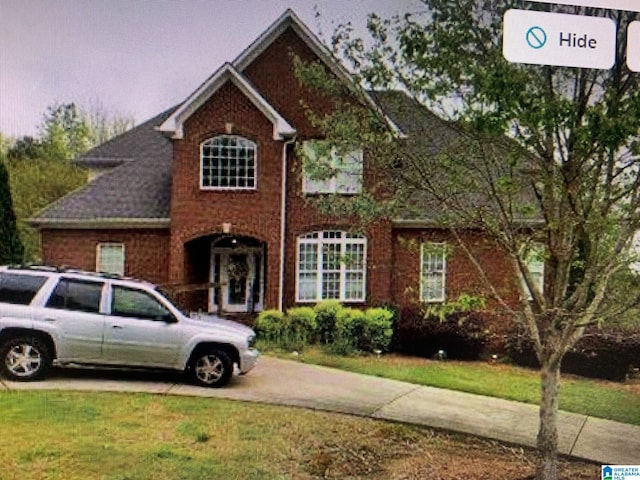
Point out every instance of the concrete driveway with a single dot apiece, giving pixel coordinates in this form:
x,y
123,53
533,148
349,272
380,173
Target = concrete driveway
x,y
283,382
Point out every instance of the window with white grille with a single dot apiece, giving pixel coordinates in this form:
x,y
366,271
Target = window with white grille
x,y
228,162
326,171
110,258
433,268
331,265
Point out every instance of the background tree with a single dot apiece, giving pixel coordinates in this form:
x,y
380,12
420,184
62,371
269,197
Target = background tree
x,y
544,161
11,249
40,170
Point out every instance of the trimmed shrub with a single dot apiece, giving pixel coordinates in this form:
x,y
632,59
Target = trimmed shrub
x,y
608,354
270,325
362,331
378,330
302,324
461,335
349,325
326,312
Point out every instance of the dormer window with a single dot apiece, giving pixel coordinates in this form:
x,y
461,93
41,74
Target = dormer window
x,y
228,162
328,171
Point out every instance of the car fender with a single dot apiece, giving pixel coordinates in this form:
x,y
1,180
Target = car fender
x,y
205,338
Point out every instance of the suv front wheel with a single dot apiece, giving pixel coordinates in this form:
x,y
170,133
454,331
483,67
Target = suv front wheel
x,y
212,368
24,358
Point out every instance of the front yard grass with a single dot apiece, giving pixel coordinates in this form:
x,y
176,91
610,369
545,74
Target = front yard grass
x,y
115,436
610,400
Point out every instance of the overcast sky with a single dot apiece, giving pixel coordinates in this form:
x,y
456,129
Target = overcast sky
x,y
137,57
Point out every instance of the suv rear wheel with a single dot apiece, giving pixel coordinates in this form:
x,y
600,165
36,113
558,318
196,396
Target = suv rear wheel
x,y
25,358
212,368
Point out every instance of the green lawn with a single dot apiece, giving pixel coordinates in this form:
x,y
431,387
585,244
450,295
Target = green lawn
x,y
602,399
114,436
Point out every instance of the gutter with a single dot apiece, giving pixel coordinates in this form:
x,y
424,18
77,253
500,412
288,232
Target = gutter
x,y
99,223
283,220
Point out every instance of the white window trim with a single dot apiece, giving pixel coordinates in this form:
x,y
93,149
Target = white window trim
x,y
319,242
331,185
535,264
255,167
99,262
423,247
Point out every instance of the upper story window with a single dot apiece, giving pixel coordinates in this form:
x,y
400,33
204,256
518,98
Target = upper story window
x,y
327,171
433,269
228,162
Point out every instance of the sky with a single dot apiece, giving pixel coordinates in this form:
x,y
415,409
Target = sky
x,y
137,58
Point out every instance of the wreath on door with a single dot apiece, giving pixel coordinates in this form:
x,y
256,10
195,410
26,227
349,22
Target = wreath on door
x,y
237,270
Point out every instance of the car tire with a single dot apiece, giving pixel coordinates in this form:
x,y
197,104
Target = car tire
x,y
25,358
211,368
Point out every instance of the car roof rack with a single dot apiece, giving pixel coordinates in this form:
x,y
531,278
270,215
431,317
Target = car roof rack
x,y
74,271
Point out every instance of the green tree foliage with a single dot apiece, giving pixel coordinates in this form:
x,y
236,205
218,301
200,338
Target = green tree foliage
x,y
11,249
543,159
65,132
36,183
40,170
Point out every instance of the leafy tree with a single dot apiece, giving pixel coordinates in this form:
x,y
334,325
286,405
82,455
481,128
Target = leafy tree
x,y
11,249
25,147
36,183
544,160
40,172
65,132
104,124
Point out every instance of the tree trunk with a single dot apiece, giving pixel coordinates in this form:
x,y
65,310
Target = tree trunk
x,y
547,442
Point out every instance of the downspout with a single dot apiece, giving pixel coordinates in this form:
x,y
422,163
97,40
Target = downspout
x,y
283,219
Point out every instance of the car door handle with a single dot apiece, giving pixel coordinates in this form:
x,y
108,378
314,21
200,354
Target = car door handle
x,y
50,319
116,327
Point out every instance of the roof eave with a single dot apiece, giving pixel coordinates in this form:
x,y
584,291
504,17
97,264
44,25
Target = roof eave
x,y
100,223
174,125
419,223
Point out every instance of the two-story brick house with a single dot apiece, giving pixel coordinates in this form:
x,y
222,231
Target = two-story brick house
x,y
212,192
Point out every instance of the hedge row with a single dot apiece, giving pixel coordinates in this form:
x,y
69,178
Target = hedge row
x,y
343,330
608,354
461,336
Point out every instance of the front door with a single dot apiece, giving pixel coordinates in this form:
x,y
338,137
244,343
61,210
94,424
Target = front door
x,y
238,274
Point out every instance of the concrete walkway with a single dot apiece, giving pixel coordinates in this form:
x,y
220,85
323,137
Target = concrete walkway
x,y
284,382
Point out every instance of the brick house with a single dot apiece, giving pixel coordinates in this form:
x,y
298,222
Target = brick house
x,y
211,194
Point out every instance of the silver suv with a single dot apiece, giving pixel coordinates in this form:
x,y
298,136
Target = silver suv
x,y
66,317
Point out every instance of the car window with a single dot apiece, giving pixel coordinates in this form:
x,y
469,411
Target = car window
x,y
19,288
129,302
77,295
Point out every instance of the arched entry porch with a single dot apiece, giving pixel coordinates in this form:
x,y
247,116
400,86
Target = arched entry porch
x,y
227,272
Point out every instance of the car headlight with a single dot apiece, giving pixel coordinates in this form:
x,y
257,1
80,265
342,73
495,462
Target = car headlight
x,y
251,341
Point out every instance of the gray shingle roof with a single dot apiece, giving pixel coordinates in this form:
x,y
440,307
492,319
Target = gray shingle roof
x,y
137,190
427,136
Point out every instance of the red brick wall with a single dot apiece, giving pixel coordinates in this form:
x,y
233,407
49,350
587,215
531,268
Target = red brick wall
x,y
256,214
303,217
253,213
461,276
273,75
146,250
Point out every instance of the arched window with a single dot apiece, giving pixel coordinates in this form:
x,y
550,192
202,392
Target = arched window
x,y
228,162
331,265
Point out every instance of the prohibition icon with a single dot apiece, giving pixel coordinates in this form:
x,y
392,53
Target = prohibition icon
x,y
536,37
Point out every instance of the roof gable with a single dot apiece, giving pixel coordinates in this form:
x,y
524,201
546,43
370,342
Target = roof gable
x,y
227,73
277,28
290,20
